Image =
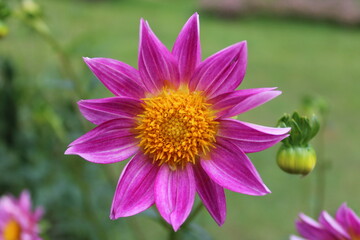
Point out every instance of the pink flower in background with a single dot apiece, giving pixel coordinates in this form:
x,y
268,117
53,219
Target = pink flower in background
x,y
345,226
173,117
17,220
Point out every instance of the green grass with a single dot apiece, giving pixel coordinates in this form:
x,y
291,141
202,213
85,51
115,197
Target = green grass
x,y
298,57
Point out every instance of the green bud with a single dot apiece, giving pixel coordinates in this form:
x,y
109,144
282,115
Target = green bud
x,y
3,29
296,156
296,160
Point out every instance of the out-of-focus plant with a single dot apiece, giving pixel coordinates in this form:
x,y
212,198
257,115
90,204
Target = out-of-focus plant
x,y
18,220
4,13
31,14
296,155
33,129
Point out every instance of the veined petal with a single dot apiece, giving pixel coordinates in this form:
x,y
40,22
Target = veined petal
x,y
233,103
175,194
348,219
101,110
120,78
229,167
187,48
135,190
311,230
332,226
250,137
109,142
211,194
222,72
157,66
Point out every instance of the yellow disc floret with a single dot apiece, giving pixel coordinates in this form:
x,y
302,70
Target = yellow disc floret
x,y
176,127
12,231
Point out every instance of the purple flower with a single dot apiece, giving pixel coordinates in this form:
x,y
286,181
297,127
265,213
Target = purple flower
x,y
17,220
345,226
173,117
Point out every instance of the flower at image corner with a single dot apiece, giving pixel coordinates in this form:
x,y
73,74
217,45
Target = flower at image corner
x,y
173,117
17,220
345,226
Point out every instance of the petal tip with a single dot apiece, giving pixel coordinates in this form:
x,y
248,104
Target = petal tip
x,y
113,215
69,151
87,60
175,224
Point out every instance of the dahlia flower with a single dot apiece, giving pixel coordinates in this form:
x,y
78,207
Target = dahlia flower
x,y
17,220
173,117
345,226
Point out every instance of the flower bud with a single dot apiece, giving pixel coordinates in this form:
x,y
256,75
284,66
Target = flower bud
x,y
296,160
296,156
3,30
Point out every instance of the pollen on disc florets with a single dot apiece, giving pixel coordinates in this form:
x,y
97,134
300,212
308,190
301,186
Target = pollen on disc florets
x,y
12,231
176,127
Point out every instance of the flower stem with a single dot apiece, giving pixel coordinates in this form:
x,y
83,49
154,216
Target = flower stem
x,y
320,183
136,230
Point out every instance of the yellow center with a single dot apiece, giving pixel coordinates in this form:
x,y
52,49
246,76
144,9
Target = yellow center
x,y
12,231
176,127
353,235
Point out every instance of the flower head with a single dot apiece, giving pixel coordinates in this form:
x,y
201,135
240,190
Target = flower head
x,y
345,226
173,117
17,220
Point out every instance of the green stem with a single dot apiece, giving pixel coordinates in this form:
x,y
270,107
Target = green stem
x,y
320,184
172,234
138,234
64,60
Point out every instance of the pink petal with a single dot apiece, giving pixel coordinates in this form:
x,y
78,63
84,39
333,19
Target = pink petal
x,y
175,194
187,48
311,230
293,237
135,190
109,142
222,72
120,78
101,110
39,212
25,200
157,66
250,137
211,194
229,167
332,226
233,103
348,219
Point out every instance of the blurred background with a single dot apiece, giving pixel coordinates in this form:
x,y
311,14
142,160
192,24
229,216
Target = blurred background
x,y
308,49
